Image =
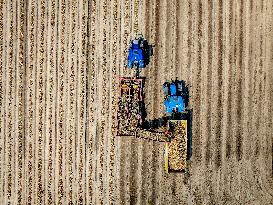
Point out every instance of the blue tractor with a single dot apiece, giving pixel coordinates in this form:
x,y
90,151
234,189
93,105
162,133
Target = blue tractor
x,y
176,97
139,53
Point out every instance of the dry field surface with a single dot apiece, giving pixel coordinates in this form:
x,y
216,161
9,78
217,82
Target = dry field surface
x,y
60,61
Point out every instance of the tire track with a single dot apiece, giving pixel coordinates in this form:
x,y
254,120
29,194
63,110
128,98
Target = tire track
x,y
157,148
148,158
154,92
81,103
208,153
162,61
50,146
269,90
257,85
230,83
181,62
143,11
265,153
71,72
219,115
203,86
214,77
39,185
249,73
240,82
225,100
197,80
176,178
30,101
253,80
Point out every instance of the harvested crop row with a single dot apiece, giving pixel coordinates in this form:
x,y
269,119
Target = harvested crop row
x,y
135,17
104,102
2,94
40,104
92,100
72,75
9,127
114,91
30,98
51,102
81,103
61,111
20,78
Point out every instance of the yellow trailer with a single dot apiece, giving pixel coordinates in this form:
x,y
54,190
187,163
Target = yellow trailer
x,y
175,155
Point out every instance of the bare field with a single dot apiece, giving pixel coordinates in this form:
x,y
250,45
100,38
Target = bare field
x,y
59,68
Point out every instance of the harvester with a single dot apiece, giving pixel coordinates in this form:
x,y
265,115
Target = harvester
x,y
131,109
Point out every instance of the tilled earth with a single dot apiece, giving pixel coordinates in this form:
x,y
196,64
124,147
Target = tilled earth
x,y
59,68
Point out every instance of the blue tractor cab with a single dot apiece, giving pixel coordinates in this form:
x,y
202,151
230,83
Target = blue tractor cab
x,y
175,97
135,56
139,53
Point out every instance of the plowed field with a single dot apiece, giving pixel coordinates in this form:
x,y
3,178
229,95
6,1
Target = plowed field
x,y
59,68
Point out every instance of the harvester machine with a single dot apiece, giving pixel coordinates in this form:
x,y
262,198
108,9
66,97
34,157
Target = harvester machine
x,y
131,109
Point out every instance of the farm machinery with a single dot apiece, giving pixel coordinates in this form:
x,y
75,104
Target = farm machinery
x,y
174,126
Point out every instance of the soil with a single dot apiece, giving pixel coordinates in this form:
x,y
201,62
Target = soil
x,y
59,68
